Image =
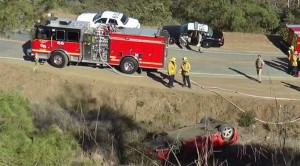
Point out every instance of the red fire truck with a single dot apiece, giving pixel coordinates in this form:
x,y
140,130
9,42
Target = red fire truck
x,y
291,36
62,41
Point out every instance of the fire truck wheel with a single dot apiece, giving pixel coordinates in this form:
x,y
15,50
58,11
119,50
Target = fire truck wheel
x,y
58,59
129,65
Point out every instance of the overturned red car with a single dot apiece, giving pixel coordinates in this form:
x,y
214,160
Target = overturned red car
x,y
209,133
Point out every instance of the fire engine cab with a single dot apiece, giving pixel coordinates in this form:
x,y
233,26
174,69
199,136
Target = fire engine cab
x,y
291,36
61,41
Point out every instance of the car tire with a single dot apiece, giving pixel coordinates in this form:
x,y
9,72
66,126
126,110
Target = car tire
x,y
129,65
58,59
206,44
227,132
171,41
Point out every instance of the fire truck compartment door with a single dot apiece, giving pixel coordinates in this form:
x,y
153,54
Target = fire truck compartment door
x,y
152,55
87,43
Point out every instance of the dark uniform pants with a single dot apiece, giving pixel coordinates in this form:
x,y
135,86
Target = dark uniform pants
x,y
295,71
186,79
171,80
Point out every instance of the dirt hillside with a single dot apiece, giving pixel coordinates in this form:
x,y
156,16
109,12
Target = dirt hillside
x,y
180,106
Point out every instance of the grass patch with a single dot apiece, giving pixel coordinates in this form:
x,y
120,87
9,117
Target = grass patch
x,y
24,144
246,119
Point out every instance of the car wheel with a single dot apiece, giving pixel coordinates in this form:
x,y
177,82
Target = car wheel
x,y
171,41
227,132
129,65
58,59
176,146
206,44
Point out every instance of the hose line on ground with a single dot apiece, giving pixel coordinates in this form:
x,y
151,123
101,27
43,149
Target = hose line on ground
x,y
211,89
240,109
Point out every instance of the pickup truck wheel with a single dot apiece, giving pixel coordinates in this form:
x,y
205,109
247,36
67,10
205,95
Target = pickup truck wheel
x,y
58,59
129,65
171,41
227,132
206,44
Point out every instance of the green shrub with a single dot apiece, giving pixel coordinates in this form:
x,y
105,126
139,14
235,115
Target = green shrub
x,y
23,144
246,119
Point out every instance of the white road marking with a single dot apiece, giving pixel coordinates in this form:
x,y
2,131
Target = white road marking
x,y
231,75
228,52
19,59
12,40
192,73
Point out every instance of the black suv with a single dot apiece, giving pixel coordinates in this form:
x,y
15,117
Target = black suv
x,y
213,38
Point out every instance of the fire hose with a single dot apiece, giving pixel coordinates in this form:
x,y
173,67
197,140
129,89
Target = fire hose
x,y
212,89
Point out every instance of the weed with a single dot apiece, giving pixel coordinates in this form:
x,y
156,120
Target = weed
x,y
246,119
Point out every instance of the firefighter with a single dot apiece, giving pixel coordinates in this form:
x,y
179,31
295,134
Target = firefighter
x,y
290,54
185,72
294,64
172,70
200,42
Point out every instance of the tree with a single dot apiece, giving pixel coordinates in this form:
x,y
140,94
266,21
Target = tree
x,y
19,14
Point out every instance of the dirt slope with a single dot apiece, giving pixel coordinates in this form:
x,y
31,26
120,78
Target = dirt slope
x,y
180,106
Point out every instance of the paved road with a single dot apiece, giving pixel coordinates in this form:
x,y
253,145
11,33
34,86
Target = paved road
x,y
230,64
213,62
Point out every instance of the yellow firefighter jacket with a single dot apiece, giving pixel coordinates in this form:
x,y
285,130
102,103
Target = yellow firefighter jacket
x,y
294,60
185,68
172,68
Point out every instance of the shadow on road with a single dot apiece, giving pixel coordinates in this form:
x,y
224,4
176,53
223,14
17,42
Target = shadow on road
x,y
277,42
291,86
157,78
25,47
241,73
160,77
187,47
279,65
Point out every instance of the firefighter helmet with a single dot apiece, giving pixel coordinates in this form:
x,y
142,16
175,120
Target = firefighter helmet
x,y
173,59
185,59
291,48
